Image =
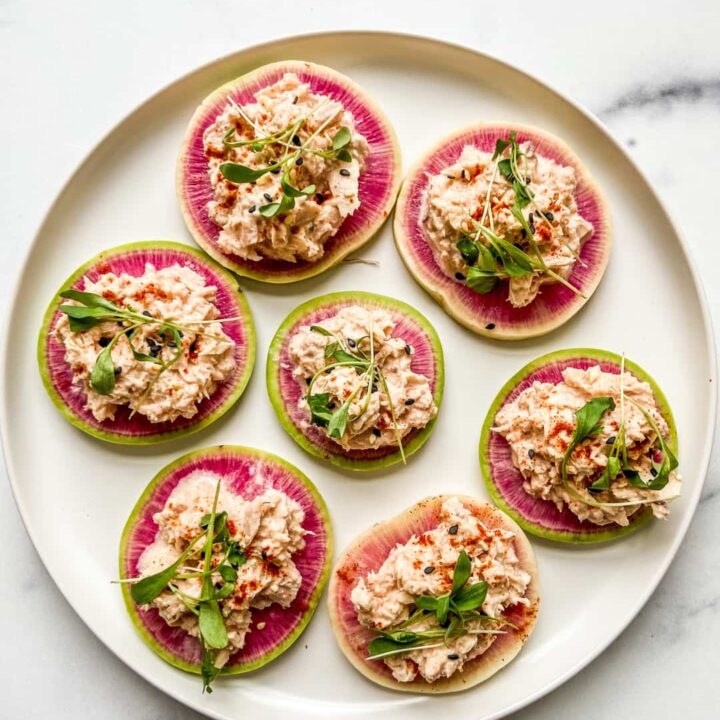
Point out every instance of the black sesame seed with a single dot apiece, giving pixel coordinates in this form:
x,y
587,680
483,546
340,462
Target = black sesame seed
x,y
408,349
549,216
276,171
296,140
453,656
118,370
308,380
429,570
351,343
374,388
531,218
151,343
610,440
345,172
527,180
490,326
409,402
331,406
653,472
154,351
376,432
531,453
263,555
450,177
252,208
459,276
103,342
146,313
295,99
172,344
532,227
180,333
267,196
453,529
328,371
320,198
523,233
299,161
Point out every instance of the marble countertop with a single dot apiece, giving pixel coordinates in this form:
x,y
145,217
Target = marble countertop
x,y
69,71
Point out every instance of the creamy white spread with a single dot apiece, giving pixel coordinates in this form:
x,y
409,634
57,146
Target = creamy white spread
x,y
457,195
539,425
424,565
270,530
301,233
173,293
409,395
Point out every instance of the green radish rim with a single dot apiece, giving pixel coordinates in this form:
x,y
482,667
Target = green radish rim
x,y
573,537
230,286
330,304
210,452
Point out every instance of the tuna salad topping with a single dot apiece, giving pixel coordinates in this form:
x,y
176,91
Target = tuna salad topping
x,y
359,383
595,443
154,343
508,216
436,602
216,558
284,171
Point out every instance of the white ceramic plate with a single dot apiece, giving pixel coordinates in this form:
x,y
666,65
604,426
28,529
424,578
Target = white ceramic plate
x,y
75,492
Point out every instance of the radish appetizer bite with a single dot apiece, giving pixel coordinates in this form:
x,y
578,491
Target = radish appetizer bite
x,y
436,599
580,446
505,228
223,560
286,170
146,342
356,378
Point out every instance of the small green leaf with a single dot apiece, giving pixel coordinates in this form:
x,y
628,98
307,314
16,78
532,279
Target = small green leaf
x,y
426,602
320,414
208,670
90,299
481,281
224,591
506,169
212,625
338,421
461,574
341,138
500,146
102,377
588,418
228,573
470,597
442,608
237,173
148,588
468,250
344,155
321,330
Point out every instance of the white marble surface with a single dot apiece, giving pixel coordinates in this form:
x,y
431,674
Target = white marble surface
x,y
69,71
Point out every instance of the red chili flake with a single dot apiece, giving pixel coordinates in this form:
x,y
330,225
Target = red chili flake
x,y
213,152
232,528
544,232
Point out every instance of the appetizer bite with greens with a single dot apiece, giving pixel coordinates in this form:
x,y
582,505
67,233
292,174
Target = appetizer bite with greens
x,y
436,599
504,227
356,378
286,170
580,446
223,560
146,342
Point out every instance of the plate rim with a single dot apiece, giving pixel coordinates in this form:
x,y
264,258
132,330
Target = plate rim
x,y
387,36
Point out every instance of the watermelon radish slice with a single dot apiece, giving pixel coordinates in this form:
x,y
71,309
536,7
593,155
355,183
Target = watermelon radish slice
x,y
138,430
505,482
285,391
369,551
378,184
250,472
492,314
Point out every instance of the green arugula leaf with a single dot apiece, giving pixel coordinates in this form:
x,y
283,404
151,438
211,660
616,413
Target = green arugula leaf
x,y
442,608
338,422
588,417
320,413
344,155
426,602
89,300
500,146
320,329
468,250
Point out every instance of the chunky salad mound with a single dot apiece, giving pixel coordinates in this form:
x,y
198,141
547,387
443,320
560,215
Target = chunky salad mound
x,y
215,558
285,172
437,600
510,215
359,384
154,343
595,442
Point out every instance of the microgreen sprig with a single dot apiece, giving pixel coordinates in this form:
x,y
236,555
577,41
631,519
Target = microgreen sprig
x,y
452,611
93,309
342,352
293,152
213,530
589,423
489,256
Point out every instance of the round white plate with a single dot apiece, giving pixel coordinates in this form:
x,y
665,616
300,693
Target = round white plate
x,y
75,492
